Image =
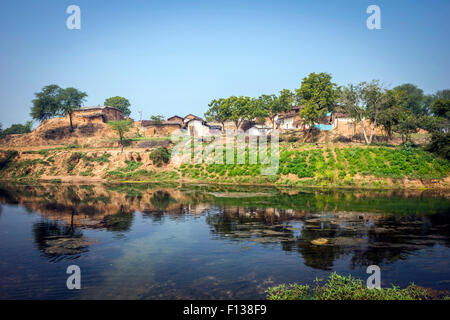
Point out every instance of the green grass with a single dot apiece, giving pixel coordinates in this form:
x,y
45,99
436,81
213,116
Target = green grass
x,y
345,288
336,166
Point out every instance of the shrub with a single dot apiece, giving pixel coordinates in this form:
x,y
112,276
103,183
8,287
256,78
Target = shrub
x,y
160,156
7,159
345,288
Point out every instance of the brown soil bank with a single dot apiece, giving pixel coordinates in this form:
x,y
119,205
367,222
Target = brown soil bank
x,y
65,164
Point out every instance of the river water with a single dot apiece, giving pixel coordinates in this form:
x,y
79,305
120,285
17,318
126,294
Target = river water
x,y
140,241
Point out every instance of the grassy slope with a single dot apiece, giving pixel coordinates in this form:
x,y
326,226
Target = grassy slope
x,y
310,166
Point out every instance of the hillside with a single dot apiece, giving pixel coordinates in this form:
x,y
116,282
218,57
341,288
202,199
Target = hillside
x,y
334,165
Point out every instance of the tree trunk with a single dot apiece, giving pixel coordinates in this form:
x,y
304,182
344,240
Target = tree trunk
x,y
372,131
70,118
364,132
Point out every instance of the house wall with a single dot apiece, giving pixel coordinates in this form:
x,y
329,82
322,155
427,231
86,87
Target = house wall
x,y
347,127
196,128
287,123
160,130
109,114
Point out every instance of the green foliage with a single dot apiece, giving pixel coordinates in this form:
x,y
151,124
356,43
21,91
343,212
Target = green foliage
x,y
345,288
157,119
7,159
17,129
47,104
55,101
365,100
121,127
416,101
440,144
160,156
71,99
317,94
73,160
271,105
120,103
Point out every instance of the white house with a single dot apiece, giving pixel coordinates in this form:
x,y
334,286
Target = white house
x,y
199,128
259,130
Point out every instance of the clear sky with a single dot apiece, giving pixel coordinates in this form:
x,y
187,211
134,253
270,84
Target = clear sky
x,y
173,57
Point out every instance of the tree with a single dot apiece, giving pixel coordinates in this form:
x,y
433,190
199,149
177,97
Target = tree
x,y
71,99
394,105
158,119
318,95
363,102
121,127
271,105
17,129
443,94
242,108
407,124
440,144
219,111
416,100
441,108
120,103
47,104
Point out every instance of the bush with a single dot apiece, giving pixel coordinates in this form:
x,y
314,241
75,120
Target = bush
x,y
160,156
345,288
440,144
7,159
342,139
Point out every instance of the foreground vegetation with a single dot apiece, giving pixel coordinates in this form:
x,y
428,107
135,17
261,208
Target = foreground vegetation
x,y
330,165
339,287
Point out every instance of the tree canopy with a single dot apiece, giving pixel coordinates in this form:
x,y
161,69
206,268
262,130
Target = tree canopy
x,y
121,127
120,103
47,104
271,105
317,94
17,129
363,101
416,101
157,118
55,101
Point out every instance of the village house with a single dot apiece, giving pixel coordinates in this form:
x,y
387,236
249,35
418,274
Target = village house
x,y
155,128
197,127
176,119
98,114
259,130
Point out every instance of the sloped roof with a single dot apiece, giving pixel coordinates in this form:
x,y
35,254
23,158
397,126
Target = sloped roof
x,y
97,108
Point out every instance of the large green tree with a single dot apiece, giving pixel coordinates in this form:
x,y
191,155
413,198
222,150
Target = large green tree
x,y
219,111
317,94
417,101
362,102
271,105
392,110
120,103
70,100
47,103
242,108
55,101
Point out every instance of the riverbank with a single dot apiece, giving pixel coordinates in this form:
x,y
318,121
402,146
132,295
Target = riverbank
x,y
329,166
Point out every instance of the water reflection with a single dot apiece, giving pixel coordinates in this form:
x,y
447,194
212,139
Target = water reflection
x,y
363,228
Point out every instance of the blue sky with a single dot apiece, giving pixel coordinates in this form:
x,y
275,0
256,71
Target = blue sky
x,y
174,57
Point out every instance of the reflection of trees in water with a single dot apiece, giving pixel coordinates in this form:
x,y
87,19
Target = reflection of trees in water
x,y
119,222
58,240
380,240
411,222
395,238
161,199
